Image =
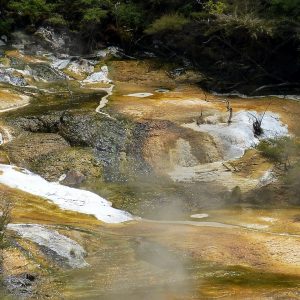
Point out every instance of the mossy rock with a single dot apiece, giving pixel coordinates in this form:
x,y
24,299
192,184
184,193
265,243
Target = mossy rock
x,y
56,163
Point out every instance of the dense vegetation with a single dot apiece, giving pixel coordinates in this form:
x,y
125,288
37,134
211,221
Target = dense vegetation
x,y
243,43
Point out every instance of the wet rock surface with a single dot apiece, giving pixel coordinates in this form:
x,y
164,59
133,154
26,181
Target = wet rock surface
x,y
20,285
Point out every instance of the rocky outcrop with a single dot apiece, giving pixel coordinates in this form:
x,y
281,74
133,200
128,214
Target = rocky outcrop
x,y
116,142
47,123
95,139
11,77
58,40
45,72
28,147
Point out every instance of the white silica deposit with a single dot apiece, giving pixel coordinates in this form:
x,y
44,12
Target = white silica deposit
x,y
60,64
239,136
70,251
101,76
81,66
140,95
199,216
65,197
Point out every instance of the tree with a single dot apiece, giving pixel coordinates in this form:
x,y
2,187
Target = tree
x,y
34,10
128,15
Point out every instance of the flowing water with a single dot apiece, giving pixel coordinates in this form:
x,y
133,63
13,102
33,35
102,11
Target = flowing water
x,y
192,241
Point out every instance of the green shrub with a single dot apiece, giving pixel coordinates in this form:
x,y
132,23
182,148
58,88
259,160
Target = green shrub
x,y
129,15
270,150
172,22
279,150
252,24
215,8
57,20
34,10
94,15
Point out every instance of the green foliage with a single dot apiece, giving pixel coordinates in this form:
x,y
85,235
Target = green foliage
x,y
271,150
279,150
171,22
57,20
249,23
127,20
129,15
94,15
34,10
215,8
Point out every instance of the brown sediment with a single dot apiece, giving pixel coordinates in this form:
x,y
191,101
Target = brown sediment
x,y
226,246
252,164
25,58
10,99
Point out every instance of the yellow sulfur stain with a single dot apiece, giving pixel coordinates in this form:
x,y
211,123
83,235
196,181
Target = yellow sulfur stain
x,y
28,208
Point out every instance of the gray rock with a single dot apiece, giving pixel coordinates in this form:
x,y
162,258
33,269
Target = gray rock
x,y
116,144
59,41
45,72
50,38
8,76
73,177
70,252
21,285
